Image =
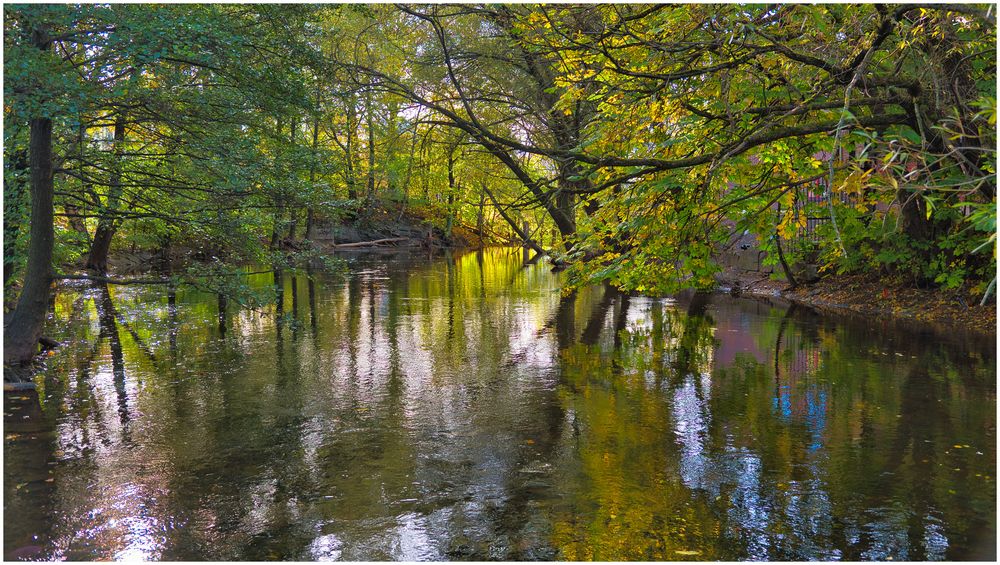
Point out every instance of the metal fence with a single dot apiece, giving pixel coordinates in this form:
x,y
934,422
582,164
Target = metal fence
x,y
811,201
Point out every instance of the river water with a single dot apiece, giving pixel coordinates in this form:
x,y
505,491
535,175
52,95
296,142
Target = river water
x,y
460,407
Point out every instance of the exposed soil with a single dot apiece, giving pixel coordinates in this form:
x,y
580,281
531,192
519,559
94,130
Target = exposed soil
x,y
411,227
871,296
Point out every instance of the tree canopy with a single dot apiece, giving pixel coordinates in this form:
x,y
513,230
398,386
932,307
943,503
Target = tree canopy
x,y
630,143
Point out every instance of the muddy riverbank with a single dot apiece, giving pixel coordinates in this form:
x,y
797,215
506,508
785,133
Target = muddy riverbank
x,y
870,296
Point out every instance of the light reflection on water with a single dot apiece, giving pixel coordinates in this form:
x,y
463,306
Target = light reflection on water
x,y
462,408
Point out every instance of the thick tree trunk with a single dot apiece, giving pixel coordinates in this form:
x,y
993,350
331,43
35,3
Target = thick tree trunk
x,y
97,259
20,336
913,211
293,222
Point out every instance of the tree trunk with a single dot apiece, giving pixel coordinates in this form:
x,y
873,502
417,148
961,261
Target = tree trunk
x,y
278,197
450,220
73,212
97,259
352,189
781,256
18,161
100,247
20,336
275,237
425,161
293,222
523,235
913,210
370,121
480,218
312,177
409,163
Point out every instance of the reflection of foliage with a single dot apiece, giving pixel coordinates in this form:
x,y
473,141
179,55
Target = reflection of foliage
x,y
229,281
843,434
642,511
420,376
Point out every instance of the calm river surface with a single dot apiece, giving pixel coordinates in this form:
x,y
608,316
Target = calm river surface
x,y
461,408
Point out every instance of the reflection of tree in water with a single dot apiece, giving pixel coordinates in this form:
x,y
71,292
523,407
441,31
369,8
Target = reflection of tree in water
x,y
435,419
628,503
109,331
751,457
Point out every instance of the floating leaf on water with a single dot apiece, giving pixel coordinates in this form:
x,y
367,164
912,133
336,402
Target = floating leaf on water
x,y
687,552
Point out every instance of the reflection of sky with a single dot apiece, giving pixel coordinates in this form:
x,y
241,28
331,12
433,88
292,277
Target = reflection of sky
x,y
143,539
756,504
748,508
808,511
326,548
734,338
691,417
792,403
414,544
885,531
124,523
418,439
935,541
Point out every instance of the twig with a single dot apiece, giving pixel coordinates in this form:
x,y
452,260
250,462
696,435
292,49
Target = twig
x,y
370,243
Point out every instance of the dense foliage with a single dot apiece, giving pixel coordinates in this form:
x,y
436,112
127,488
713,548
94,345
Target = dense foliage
x,y
631,142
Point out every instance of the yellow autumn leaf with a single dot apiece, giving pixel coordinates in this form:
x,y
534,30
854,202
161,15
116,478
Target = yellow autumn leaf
x,y
855,182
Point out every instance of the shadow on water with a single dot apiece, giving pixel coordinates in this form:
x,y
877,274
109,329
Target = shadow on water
x,y
462,407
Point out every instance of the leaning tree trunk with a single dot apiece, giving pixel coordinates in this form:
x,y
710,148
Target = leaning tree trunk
x,y
20,336
97,259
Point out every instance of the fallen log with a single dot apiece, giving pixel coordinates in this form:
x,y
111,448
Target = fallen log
x,y
370,243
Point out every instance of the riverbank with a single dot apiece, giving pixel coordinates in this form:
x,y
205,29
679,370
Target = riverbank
x,y
870,296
